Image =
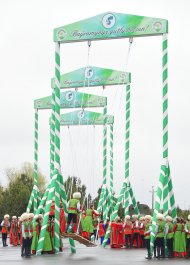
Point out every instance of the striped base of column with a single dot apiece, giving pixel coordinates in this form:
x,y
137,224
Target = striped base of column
x,y
72,245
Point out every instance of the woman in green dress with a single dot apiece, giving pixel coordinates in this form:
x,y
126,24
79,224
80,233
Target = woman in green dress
x,y
179,239
36,232
88,226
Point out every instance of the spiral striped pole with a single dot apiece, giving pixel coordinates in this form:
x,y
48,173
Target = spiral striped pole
x,y
165,194
165,172
171,196
102,201
46,215
57,214
43,201
134,202
57,144
157,203
127,145
115,211
63,196
111,167
105,159
52,132
30,201
72,245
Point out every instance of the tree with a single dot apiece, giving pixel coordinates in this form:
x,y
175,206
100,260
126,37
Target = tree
x,y
15,197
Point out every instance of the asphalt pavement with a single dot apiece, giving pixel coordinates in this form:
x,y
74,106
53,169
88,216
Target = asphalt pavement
x,y
84,256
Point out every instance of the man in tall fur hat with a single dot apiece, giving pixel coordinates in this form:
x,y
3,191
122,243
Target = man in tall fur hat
x,y
73,210
5,226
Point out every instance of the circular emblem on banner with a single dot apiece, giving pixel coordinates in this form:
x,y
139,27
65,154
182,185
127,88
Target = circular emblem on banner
x,y
89,72
39,103
69,96
61,34
157,26
108,21
81,114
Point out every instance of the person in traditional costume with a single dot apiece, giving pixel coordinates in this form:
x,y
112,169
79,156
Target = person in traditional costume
x,y
147,232
141,230
25,235
48,246
179,244
88,226
62,219
183,222
36,232
117,234
30,229
169,234
160,232
19,231
73,210
14,232
5,227
128,231
10,233
187,231
101,231
136,232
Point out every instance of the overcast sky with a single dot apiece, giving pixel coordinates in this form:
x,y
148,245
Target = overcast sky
x,y
27,64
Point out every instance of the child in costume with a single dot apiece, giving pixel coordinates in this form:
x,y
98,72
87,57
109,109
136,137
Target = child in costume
x,y
147,232
160,231
14,231
19,231
25,235
136,232
5,227
36,232
141,230
179,244
127,231
169,235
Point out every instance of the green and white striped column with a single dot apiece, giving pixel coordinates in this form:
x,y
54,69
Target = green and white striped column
x,y
102,201
72,245
134,202
165,172
158,202
52,132
43,201
57,144
111,168
105,160
127,145
171,197
57,214
46,215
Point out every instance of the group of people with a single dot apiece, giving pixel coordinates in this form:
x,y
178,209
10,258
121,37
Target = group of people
x,y
171,240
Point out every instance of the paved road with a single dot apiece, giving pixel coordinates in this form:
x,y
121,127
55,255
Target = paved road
x,y
84,256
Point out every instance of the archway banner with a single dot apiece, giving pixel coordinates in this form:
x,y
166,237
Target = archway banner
x,y
72,99
92,76
84,117
110,25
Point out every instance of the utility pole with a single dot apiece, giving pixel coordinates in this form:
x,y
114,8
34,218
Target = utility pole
x,y
153,192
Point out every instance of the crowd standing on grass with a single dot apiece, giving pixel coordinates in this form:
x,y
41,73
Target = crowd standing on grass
x,y
172,240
